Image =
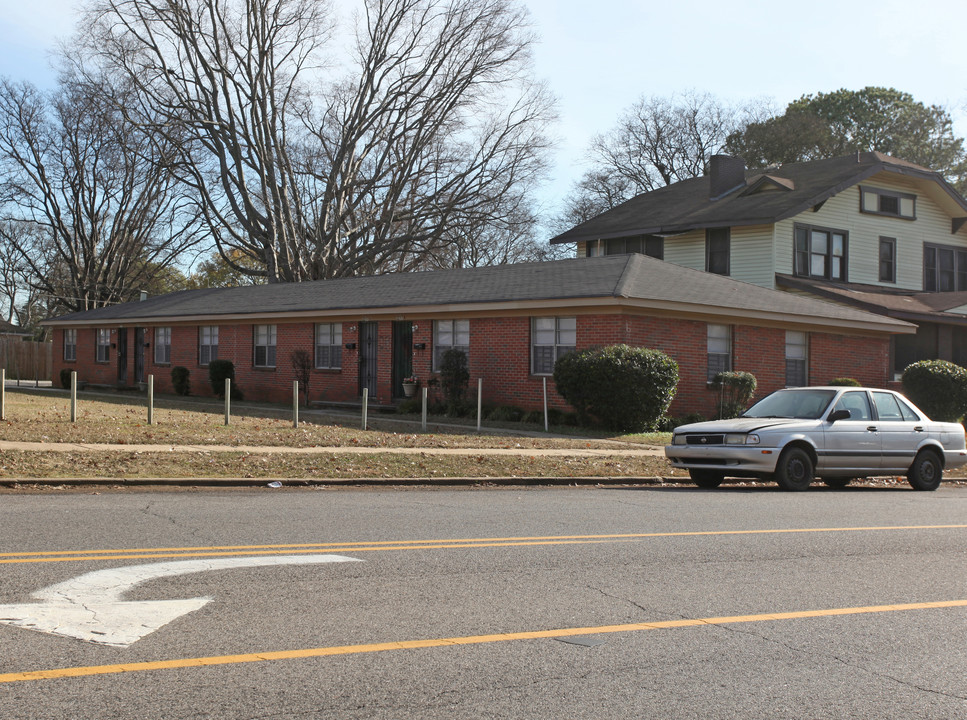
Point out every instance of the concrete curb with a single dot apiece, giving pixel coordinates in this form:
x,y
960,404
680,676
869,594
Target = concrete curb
x,y
12,483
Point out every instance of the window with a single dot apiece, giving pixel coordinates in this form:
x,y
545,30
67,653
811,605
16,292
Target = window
x,y
857,403
650,245
207,344
820,253
717,250
162,345
550,339
944,268
264,345
70,345
887,259
795,358
102,345
888,202
329,345
449,335
719,350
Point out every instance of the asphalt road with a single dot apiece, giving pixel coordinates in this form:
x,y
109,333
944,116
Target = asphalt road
x,y
509,603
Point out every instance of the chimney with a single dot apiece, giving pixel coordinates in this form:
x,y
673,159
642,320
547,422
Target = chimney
x,y
726,173
144,295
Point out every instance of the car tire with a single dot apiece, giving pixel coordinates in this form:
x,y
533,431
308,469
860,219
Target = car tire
x,y
795,471
837,482
926,471
707,478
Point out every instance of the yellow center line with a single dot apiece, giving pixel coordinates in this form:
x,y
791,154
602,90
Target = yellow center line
x,y
74,672
218,551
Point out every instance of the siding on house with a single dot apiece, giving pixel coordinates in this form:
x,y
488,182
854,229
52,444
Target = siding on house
x,y
842,212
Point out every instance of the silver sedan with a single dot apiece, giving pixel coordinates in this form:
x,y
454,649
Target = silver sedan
x,y
835,433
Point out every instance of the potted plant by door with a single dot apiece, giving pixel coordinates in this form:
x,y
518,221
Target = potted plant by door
x,y
410,384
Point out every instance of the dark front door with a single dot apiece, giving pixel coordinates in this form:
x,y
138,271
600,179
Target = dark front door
x,y
368,367
139,355
402,354
122,356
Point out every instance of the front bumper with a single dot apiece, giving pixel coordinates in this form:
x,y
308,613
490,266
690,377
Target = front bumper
x,y
738,460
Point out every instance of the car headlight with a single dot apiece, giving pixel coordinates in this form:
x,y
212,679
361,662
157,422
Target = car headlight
x,y
752,439
678,440
741,439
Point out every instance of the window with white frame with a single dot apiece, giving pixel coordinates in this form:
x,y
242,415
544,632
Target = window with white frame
x,y
796,353
719,350
207,344
70,345
551,337
328,345
449,335
162,345
102,345
264,337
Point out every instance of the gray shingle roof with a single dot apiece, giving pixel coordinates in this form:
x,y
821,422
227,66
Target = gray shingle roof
x,y
613,280
686,205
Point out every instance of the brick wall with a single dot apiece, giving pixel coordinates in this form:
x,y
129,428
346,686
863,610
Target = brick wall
x,y
499,354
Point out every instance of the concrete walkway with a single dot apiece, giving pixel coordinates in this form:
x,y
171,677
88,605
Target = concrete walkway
x,y
645,451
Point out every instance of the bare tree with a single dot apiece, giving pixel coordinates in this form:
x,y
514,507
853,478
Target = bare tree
x,y
88,206
656,142
434,127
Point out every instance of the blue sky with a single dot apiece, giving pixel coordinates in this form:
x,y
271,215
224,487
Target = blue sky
x,y
599,57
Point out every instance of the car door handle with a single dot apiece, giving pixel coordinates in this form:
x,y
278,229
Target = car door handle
x,y
872,428
918,428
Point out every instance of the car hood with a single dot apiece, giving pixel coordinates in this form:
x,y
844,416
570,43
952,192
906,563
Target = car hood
x,y
741,425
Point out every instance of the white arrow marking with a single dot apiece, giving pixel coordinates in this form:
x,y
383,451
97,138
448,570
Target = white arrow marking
x,y
89,607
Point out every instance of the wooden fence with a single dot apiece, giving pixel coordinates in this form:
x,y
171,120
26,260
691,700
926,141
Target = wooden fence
x,y
26,362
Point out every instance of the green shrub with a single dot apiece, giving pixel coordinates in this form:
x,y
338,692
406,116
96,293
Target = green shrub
x,y
410,406
845,382
505,413
218,371
736,389
623,388
65,378
534,417
937,387
670,423
454,378
180,380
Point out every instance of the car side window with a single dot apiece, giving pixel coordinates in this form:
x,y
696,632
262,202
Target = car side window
x,y
908,412
887,408
857,403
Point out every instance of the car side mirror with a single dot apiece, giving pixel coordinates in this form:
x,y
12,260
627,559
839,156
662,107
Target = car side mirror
x,y
839,415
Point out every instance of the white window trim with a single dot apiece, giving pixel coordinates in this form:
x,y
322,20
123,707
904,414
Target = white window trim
x,y
70,341
162,346
805,356
99,334
212,344
332,341
271,342
709,354
560,347
457,328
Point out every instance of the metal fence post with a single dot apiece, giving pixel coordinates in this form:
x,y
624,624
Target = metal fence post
x,y
295,403
546,423
150,399
73,396
3,394
423,423
365,406
228,400
479,402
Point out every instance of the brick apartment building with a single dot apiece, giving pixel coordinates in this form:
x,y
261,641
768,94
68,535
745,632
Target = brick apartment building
x,y
512,320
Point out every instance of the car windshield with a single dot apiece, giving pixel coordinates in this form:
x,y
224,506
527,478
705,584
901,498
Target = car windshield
x,y
807,404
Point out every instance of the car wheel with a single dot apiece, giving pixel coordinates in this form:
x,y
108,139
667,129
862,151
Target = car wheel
x,y
795,469
926,471
837,482
707,478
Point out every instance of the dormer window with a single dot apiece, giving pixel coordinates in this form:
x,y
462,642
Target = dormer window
x,y
876,201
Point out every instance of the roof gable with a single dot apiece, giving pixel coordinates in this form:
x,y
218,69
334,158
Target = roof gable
x,y
796,187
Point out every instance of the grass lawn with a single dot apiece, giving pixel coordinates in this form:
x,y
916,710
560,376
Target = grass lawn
x,y
122,419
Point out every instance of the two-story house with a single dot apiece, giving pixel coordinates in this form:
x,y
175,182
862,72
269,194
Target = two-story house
x,y
865,230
